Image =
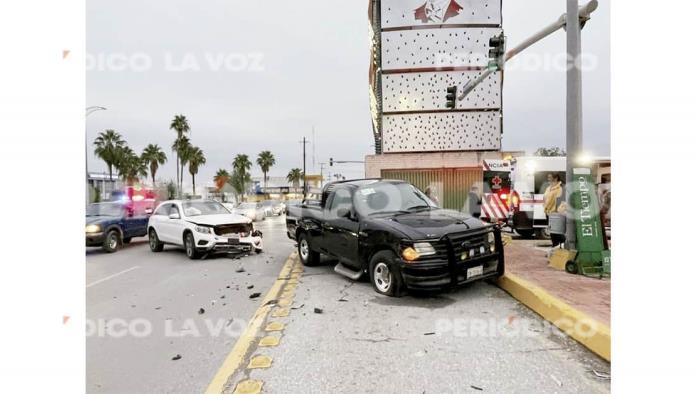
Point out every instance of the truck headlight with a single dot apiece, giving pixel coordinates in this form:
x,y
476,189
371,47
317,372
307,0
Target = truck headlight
x,y
424,248
203,230
491,242
92,228
409,254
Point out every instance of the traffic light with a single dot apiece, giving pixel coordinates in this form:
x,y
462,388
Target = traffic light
x,y
497,53
451,97
331,162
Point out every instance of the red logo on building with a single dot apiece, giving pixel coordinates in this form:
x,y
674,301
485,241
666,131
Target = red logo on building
x,y
436,11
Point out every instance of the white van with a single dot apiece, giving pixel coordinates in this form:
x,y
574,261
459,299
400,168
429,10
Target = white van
x,y
529,182
529,176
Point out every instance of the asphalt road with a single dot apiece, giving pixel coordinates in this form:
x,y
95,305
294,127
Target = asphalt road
x,y
143,310
473,339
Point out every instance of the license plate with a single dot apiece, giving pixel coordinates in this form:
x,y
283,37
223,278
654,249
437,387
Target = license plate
x,y
474,271
233,241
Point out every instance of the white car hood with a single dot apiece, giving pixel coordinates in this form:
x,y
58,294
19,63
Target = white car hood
x,y
215,220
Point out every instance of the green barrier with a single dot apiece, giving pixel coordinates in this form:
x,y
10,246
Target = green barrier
x,y
592,258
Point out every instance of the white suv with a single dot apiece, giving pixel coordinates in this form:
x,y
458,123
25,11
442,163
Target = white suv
x,y
202,227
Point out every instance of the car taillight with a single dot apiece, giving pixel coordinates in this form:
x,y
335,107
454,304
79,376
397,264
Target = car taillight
x,y
503,196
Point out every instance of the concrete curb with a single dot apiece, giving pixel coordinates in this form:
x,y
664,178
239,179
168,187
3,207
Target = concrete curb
x,y
591,333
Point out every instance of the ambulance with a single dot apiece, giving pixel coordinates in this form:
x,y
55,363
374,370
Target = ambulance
x,y
529,176
495,198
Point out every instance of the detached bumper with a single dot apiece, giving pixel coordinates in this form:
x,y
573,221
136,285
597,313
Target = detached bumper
x,y
220,244
94,239
441,274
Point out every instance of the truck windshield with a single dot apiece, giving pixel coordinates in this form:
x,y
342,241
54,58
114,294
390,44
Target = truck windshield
x,y
391,198
196,208
105,209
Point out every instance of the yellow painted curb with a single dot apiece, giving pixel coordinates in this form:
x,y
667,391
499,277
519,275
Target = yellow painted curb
x,y
234,360
580,326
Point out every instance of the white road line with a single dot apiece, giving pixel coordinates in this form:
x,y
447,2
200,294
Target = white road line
x,y
112,276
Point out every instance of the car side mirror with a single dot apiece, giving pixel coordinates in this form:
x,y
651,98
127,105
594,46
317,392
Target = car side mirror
x,y
174,216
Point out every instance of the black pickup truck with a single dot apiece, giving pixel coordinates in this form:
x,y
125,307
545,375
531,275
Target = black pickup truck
x,y
392,231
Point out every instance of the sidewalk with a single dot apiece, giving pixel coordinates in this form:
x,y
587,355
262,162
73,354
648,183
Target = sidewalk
x,y
555,294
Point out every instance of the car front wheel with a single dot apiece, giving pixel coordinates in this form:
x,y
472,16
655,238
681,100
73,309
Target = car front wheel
x,y
190,246
385,275
112,241
155,244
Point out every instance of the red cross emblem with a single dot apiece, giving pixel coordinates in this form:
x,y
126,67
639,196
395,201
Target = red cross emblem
x,y
496,181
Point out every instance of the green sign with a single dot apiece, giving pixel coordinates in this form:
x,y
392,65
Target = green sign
x,y
584,204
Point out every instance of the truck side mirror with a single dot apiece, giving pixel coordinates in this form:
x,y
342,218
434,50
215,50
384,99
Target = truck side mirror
x,y
343,213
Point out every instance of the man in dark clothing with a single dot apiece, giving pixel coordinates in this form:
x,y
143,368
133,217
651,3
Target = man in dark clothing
x,y
474,202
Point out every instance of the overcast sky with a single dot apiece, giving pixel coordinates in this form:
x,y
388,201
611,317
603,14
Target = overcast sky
x,y
259,75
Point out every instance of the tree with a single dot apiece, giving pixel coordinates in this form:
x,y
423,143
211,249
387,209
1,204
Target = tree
x,y
130,166
266,160
171,190
220,179
240,176
181,146
107,146
180,126
550,152
154,157
295,176
196,158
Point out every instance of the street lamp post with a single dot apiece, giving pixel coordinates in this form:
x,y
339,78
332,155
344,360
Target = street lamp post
x,y
89,111
573,108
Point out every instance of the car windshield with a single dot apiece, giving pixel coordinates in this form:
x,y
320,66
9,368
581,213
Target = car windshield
x,y
391,198
247,205
197,208
105,209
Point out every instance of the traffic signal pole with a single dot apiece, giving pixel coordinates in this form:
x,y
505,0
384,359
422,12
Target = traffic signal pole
x,y
573,109
581,16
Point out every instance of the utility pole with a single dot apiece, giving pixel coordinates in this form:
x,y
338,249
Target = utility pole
x,y
573,108
304,167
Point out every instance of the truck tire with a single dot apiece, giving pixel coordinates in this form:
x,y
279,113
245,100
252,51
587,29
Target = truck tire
x,y
190,246
385,274
155,244
112,241
304,250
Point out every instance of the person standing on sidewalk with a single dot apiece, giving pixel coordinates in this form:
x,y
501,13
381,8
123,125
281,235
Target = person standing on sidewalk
x,y
474,202
553,192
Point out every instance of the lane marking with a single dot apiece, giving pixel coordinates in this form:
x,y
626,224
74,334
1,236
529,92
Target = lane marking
x,y
112,276
234,360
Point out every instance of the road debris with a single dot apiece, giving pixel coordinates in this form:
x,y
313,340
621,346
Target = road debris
x,y
201,311
255,295
429,333
240,269
318,310
297,307
250,287
476,388
158,308
601,375
558,382
177,357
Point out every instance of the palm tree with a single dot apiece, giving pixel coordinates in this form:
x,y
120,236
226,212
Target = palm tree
x,y
130,166
221,178
107,147
181,146
196,158
295,176
266,160
240,176
154,156
181,126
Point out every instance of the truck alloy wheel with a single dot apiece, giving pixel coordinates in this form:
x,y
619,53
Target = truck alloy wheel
x,y
112,241
382,277
190,245
307,255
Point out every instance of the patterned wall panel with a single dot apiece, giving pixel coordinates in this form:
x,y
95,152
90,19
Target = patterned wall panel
x,y
442,131
402,13
436,48
426,91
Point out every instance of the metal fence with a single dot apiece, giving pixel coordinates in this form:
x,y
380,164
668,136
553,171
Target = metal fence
x,y
450,186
